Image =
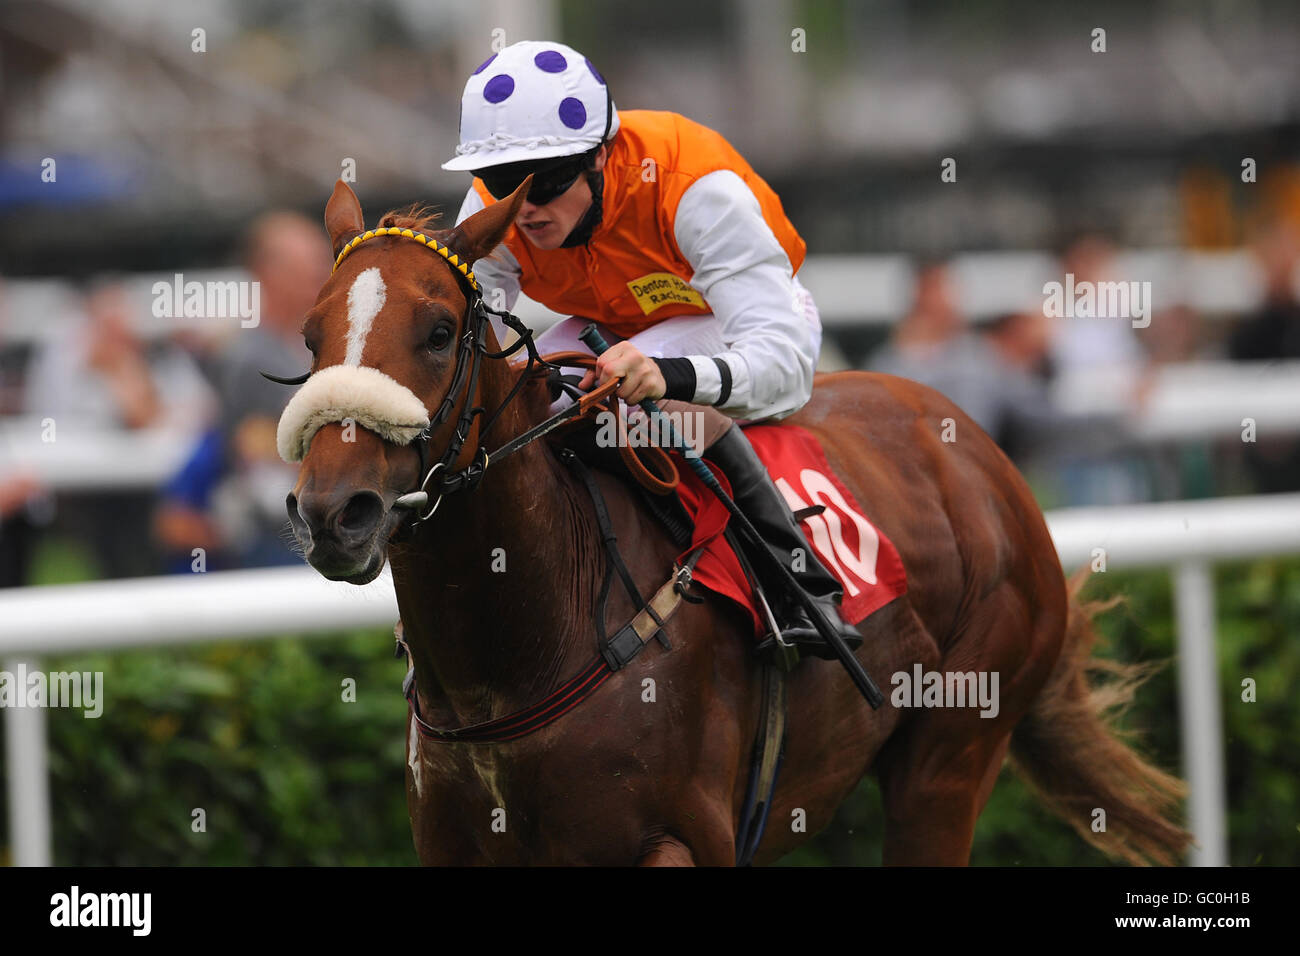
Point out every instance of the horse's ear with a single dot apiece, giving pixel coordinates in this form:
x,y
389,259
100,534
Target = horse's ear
x,y
482,232
343,218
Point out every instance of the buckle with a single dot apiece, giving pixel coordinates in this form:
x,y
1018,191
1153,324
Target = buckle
x,y
620,649
682,582
474,472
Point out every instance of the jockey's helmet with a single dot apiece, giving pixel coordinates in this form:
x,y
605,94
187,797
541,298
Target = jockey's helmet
x,y
532,101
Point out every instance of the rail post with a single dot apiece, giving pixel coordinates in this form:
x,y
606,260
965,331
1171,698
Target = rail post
x,y
27,779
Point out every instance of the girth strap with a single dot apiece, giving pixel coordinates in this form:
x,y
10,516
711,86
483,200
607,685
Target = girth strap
x,y
631,639
522,722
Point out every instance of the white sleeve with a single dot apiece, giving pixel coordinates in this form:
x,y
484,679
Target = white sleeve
x,y
497,274
746,277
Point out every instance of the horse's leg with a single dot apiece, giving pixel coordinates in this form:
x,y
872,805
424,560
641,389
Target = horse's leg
x,y
934,779
936,774
440,835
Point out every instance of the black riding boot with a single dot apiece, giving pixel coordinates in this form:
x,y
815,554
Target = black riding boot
x,y
762,503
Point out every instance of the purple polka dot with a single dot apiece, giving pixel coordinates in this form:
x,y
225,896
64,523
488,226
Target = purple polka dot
x,y
594,72
550,61
498,88
483,66
572,113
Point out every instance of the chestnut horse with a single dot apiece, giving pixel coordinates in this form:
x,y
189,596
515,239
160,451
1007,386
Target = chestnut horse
x,y
496,592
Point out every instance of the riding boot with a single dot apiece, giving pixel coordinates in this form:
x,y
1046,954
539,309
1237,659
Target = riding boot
x,y
763,504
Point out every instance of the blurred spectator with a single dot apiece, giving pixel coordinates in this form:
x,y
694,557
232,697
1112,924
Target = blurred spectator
x,y
1091,352
1025,416
13,363
23,505
996,378
1273,332
101,373
229,497
1175,469
1081,343
95,372
17,527
999,376
933,321
931,345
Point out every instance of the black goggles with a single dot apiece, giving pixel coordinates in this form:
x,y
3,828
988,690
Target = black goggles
x,y
549,181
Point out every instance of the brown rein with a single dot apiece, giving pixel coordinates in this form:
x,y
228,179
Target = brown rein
x,y
658,473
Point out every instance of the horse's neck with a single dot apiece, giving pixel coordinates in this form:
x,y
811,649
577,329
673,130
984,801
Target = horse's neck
x,y
495,590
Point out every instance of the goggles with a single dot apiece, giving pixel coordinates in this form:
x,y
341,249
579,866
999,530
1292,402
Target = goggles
x,y
549,180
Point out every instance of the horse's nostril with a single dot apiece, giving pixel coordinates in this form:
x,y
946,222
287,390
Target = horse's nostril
x,y
364,510
328,515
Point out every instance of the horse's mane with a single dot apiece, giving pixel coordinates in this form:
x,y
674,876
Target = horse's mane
x,y
415,217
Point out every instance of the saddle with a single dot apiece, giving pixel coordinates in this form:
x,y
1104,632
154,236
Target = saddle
x,y
864,560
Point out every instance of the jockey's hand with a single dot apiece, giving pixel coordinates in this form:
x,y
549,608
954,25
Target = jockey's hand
x,y
641,376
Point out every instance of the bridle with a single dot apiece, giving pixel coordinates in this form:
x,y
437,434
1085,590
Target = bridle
x,y
470,353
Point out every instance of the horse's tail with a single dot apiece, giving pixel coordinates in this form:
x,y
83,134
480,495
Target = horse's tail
x,y
1069,750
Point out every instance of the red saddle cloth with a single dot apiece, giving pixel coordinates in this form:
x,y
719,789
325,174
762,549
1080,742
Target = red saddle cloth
x,y
854,550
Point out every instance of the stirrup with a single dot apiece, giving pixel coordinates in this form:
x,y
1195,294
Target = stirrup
x,y
800,631
776,650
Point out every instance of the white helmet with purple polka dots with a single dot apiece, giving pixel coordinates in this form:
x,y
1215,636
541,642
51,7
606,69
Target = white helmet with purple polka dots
x,y
533,100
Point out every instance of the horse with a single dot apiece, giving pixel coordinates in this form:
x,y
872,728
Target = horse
x,y
496,586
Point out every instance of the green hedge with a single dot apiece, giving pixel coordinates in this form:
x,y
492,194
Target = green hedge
x,y
256,735
259,737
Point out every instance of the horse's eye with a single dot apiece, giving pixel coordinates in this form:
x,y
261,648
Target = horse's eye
x,y
440,338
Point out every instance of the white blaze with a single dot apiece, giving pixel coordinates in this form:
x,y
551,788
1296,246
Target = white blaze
x,y
365,299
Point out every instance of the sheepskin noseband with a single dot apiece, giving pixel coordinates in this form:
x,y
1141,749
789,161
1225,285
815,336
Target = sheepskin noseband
x,y
357,392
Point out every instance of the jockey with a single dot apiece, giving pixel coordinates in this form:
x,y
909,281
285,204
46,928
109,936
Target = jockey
x,y
655,228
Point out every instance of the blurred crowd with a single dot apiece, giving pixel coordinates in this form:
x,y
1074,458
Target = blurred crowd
x,y
223,507
1002,373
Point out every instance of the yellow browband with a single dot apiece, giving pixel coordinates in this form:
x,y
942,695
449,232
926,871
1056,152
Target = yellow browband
x,y
427,241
